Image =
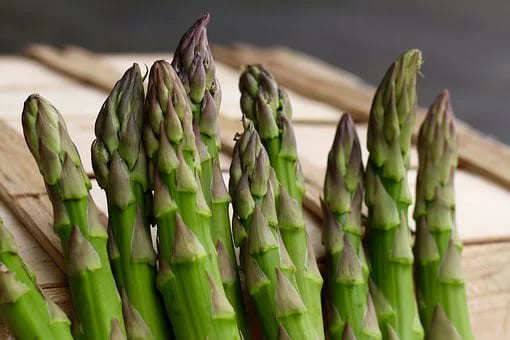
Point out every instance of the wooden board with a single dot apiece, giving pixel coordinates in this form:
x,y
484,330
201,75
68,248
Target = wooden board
x,y
487,272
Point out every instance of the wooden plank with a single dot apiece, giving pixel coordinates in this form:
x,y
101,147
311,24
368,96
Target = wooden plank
x,y
315,79
487,275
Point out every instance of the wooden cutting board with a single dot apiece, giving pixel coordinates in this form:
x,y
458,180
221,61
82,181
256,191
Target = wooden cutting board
x,y
485,256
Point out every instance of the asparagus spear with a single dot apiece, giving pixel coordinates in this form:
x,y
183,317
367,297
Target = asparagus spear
x,y
347,288
120,165
390,125
438,248
194,64
189,277
269,271
76,221
269,107
24,308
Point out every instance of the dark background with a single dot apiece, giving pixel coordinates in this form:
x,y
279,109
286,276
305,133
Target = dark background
x,y
466,43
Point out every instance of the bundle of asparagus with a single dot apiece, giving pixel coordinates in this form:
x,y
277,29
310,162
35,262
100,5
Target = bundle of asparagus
x,y
157,158
268,106
189,276
120,165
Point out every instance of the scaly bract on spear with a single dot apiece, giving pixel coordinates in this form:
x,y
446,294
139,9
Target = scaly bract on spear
x,y
96,301
347,294
267,266
268,106
189,276
195,66
23,307
439,277
389,241
120,165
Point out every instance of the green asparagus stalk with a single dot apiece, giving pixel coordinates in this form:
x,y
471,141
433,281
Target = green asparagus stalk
x,y
76,220
347,288
189,275
268,268
439,276
269,107
24,308
194,64
387,197
120,165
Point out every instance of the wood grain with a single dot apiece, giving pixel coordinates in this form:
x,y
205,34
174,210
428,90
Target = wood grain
x,y
318,80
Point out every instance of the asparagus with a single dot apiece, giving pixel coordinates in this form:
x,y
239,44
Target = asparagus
x,y
441,327
269,107
23,306
347,288
438,248
189,277
120,165
194,64
269,271
387,197
76,221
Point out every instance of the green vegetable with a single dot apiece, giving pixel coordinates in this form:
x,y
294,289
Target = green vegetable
x,y
267,266
27,312
76,220
194,64
120,165
347,281
268,106
439,277
442,328
189,276
389,241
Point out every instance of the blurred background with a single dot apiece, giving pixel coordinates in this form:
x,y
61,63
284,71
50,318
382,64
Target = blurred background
x,y
465,42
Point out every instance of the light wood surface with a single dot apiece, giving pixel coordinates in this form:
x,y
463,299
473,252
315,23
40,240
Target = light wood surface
x,y
486,269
